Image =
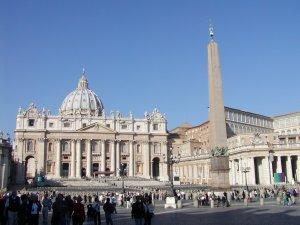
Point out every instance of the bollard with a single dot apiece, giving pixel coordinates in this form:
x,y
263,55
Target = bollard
x,y
196,203
261,201
246,201
179,204
212,203
278,200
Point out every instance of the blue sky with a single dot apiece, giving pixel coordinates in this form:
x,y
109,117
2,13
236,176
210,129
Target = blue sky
x,y
144,54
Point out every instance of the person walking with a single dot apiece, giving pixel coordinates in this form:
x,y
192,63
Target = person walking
x,y
96,214
108,209
12,206
58,214
24,211
78,212
149,212
70,207
35,208
138,211
47,204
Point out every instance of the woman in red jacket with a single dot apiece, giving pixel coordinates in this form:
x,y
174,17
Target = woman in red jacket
x,y
78,213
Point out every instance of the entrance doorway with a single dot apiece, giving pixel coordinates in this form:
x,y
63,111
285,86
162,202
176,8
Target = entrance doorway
x,y
65,169
155,168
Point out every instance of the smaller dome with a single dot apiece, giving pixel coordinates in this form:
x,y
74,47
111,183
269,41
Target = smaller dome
x,y
82,101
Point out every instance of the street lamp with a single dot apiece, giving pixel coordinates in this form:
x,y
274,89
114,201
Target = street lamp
x,y
122,173
173,159
271,159
246,170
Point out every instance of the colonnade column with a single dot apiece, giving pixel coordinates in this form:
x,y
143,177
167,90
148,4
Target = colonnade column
x,y
289,169
278,165
240,172
233,173
118,152
89,159
131,159
252,179
164,173
103,155
298,168
146,160
112,157
73,158
58,159
78,159
267,169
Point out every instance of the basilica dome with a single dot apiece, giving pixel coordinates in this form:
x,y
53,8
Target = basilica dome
x,y
82,101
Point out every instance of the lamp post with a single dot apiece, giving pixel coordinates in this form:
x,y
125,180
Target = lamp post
x,y
271,159
122,173
246,170
173,159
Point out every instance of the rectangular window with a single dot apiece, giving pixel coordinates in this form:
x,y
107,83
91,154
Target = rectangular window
x,y
138,127
31,122
50,124
155,126
84,125
124,126
66,124
108,125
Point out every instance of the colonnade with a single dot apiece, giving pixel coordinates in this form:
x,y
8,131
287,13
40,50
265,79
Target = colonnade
x,y
76,153
261,169
192,173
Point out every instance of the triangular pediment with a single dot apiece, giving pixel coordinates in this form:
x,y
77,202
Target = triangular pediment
x,y
96,127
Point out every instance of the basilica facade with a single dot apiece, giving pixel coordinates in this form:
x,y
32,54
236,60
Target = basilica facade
x,y
84,141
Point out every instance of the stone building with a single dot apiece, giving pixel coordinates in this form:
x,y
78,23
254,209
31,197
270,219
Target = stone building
x,y
258,146
5,160
84,141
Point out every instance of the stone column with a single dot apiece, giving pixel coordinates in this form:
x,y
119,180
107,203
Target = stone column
x,y
3,178
298,168
289,169
78,159
118,153
278,165
266,169
112,157
41,156
73,158
103,155
58,159
252,180
146,160
164,174
271,172
240,172
131,159
89,159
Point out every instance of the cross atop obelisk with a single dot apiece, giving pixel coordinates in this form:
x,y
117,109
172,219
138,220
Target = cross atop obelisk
x,y
218,136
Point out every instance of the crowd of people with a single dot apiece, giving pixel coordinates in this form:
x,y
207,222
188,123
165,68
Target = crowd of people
x,y
25,209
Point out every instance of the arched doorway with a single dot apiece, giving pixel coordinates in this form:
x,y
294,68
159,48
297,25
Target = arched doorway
x,y
155,168
30,167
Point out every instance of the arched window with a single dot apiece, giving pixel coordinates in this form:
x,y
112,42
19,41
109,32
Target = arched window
x,y
94,146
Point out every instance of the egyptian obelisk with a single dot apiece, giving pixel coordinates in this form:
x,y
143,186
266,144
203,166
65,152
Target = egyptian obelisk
x,y
217,124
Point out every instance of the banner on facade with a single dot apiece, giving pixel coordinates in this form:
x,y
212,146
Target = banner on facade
x,y
279,177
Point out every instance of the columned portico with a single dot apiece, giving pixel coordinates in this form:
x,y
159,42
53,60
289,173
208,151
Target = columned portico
x,y
78,159
89,159
103,155
58,159
112,157
118,162
73,159
131,159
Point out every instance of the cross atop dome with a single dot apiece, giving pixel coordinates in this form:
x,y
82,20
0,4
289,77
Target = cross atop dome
x,y
83,82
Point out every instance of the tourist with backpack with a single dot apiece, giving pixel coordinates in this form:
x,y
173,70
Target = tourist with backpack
x,y
96,211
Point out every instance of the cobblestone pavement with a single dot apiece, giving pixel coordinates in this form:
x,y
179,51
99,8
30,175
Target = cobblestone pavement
x,y
238,214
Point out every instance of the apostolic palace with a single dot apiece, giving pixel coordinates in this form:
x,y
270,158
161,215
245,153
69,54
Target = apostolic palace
x,y
84,141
